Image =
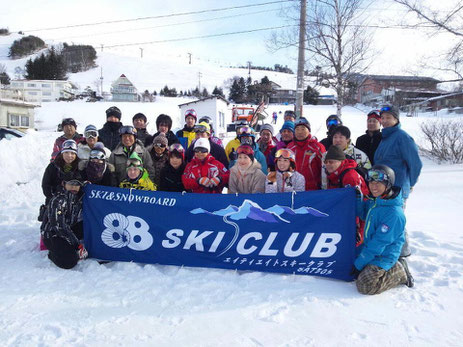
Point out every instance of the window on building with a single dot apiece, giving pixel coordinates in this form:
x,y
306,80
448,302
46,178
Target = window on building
x,y
31,85
14,120
46,85
46,93
32,93
25,121
221,119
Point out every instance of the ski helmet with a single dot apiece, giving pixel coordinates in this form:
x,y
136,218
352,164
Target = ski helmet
x,y
382,173
69,146
333,120
191,113
128,130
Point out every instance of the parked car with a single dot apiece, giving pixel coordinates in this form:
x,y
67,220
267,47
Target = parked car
x,y
8,133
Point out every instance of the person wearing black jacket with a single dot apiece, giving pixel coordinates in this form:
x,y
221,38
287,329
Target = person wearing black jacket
x,y
164,125
171,174
332,122
369,142
62,227
139,122
109,134
97,170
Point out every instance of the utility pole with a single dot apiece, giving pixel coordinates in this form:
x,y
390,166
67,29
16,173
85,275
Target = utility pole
x,y
189,55
301,60
102,45
101,81
249,68
199,79
141,52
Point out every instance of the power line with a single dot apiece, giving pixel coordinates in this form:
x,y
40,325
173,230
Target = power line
x,y
160,16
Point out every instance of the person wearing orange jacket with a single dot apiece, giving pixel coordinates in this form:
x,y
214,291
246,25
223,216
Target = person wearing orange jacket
x,y
308,154
205,174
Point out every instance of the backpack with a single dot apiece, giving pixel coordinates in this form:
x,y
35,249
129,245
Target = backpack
x,y
360,170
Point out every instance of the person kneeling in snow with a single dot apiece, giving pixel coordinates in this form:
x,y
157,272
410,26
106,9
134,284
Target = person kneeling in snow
x,y
378,265
137,176
62,227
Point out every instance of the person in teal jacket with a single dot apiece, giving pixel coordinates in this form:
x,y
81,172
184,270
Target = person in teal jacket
x,y
246,136
398,150
377,265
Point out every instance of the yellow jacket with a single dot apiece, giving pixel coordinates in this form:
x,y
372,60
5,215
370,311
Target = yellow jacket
x,y
143,183
232,145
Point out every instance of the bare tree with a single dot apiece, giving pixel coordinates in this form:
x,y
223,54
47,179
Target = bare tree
x,y
449,21
337,41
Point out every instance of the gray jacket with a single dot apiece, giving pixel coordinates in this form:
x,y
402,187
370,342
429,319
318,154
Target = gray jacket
x,y
294,183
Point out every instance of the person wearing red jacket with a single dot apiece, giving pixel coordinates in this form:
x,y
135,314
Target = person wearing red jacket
x,y
204,174
308,154
341,173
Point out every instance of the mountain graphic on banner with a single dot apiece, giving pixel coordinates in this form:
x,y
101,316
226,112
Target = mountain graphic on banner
x,y
251,210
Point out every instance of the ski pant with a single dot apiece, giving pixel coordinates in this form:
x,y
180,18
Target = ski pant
x,y
61,252
375,280
405,252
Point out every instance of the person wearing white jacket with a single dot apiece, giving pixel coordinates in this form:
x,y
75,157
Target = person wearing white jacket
x,y
85,147
285,178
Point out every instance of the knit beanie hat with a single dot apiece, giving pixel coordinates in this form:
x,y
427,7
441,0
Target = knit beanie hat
x,y
288,125
343,130
266,127
335,153
113,111
391,109
161,139
202,143
374,114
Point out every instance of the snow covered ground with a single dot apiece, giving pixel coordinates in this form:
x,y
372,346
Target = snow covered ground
x,y
131,304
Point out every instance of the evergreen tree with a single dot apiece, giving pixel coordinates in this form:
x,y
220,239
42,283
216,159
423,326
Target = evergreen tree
x,y
4,78
311,96
196,92
205,93
155,93
218,91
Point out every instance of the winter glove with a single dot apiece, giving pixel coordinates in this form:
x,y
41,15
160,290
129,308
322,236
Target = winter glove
x,y
204,181
354,272
232,156
214,181
358,193
82,252
272,176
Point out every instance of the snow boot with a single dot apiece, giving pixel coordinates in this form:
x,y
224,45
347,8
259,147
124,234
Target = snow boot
x,y
410,280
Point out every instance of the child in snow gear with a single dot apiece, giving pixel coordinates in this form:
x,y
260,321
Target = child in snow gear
x,y
140,121
137,177
285,179
109,134
62,229
246,177
308,153
205,174
69,127
187,134
159,155
369,142
171,174
377,265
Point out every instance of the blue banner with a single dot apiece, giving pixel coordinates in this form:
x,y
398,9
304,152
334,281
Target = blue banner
x,y
308,233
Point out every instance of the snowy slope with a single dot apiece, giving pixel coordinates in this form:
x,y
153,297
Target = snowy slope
x,y
131,304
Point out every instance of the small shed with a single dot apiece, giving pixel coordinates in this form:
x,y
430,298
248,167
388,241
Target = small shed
x,y
215,107
16,114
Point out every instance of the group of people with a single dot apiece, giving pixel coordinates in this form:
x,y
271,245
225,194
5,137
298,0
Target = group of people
x,y
383,166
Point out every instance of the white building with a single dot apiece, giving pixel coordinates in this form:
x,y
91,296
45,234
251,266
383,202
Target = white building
x,y
39,91
215,107
124,90
16,114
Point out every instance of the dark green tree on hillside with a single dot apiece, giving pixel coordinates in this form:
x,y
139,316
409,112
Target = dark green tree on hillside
x,y
25,46
311,96
49,66
218,91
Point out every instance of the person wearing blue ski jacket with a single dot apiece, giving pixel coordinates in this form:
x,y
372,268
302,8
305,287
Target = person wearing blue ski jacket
x,y
398,150
378,265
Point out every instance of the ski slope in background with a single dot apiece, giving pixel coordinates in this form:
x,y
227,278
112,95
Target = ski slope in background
x,y
127,304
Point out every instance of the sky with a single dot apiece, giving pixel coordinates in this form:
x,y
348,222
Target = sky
x,y
395,51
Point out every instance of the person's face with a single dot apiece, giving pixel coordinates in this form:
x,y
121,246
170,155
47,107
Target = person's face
x,y
287,135
190,121
340,141
388,120
283,164
266,136
163,128
69,157
91,141
69,130
246,140
301,132
71,188
244,160
290,118
112,119
159,149
133,172
376,188
373,124
175,161
139,123
200,155
203,135
128,140
332,165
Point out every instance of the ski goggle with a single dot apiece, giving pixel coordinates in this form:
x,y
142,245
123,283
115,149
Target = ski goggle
x,y
128,130
134,163
191,113
245,150
91,134
69,145
176,147
201,150
206,119
160,145
201,129
97,155
284,153
376,175
332,122
245,130
74,183
385,109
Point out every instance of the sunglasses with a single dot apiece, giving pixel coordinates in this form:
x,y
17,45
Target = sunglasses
x,y
176,147
91,134
375,175
160,145
201,150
